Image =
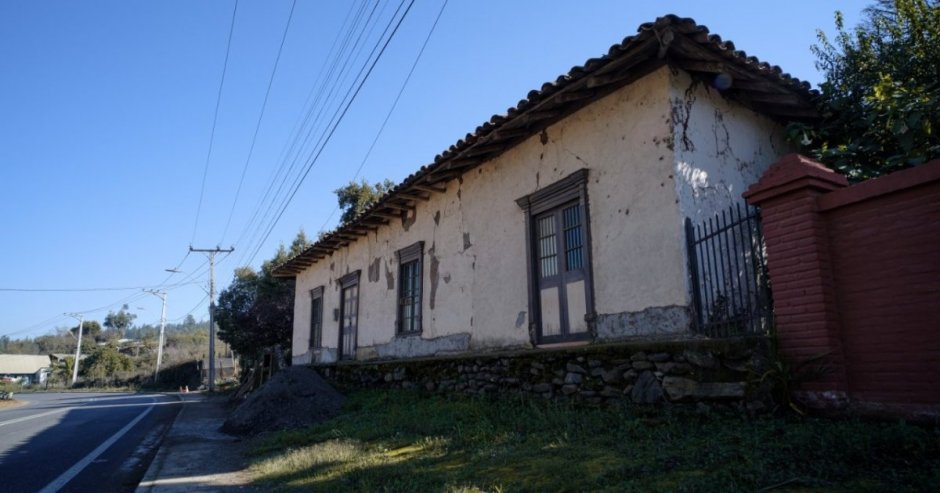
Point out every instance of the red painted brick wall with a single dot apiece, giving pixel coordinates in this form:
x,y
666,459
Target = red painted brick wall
x,y
855,273
886,263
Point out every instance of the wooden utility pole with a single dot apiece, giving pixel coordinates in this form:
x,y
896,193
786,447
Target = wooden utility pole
x,y
211,252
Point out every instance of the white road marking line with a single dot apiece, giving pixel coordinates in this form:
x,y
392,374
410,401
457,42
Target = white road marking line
x,y
72,408
73,471
34,416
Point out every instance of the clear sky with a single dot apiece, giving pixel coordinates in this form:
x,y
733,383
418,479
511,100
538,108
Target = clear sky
x,y
107,112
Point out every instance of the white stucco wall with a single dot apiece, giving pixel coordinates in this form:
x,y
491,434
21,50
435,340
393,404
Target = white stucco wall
x,y
656,152
475,280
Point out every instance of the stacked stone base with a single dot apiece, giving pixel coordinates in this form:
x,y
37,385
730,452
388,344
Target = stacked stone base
x,y
712,373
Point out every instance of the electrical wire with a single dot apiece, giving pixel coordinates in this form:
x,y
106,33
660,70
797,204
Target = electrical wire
x,y
391,110
264,106
76,290
190,312
324,90
335,124
215,119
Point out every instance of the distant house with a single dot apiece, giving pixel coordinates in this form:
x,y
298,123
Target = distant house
x,y
26,369
559,222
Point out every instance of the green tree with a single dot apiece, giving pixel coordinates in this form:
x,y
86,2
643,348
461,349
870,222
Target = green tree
x,y
89,328
62,371
256,311
104,363
118,323
355,198
882,90
55,343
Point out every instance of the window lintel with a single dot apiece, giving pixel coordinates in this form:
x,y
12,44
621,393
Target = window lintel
x,y
411,252
349,279
568,188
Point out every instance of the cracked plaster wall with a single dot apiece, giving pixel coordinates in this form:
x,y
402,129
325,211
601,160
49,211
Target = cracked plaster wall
x,y
721,147
474,252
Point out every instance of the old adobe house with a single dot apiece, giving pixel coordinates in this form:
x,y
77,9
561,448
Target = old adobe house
x,y
560,221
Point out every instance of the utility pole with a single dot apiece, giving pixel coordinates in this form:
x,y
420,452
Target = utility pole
x,y
162,296
78,347
211,252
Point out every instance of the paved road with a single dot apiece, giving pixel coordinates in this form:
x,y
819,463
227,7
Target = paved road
x,y
81,441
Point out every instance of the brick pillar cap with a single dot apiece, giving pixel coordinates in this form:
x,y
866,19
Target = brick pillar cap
x,y
793,172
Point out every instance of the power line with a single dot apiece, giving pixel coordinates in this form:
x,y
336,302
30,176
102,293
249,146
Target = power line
x,y
341,64
391,110
325,86
332,130
122,301
78,290
264,106
215,119
190,312
35,326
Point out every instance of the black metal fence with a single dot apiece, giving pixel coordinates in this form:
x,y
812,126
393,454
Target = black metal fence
x,y
730,293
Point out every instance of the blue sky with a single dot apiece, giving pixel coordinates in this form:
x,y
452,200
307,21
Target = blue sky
x,y
108,108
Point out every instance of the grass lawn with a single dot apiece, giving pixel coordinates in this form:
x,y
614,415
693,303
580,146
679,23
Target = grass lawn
x,y
408,441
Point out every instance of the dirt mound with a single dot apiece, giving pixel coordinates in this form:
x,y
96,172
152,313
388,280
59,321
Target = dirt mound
x,y
293,398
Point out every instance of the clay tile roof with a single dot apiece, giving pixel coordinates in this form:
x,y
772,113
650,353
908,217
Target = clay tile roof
x,y
670,40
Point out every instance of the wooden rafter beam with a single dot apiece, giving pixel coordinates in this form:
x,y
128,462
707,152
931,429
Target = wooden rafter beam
x,y
542,115
429,188
601,80
442,175
758,86
384,216
402,207
711,67
477,150
570,96
777,99
413,196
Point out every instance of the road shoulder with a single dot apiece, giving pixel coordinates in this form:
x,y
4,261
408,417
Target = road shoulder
x,y
195,456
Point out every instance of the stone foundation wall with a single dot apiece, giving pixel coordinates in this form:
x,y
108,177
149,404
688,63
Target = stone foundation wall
x,y
722,373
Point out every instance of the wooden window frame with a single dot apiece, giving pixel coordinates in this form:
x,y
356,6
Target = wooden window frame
x,y
316,319
413,253
569,189
345,282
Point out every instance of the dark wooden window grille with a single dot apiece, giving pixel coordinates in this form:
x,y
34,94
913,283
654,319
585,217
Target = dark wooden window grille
x,y
561,297
316,318
349,315
574,238
409,289
547,249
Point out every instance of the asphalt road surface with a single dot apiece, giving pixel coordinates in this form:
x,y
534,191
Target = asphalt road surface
x,y
83,442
